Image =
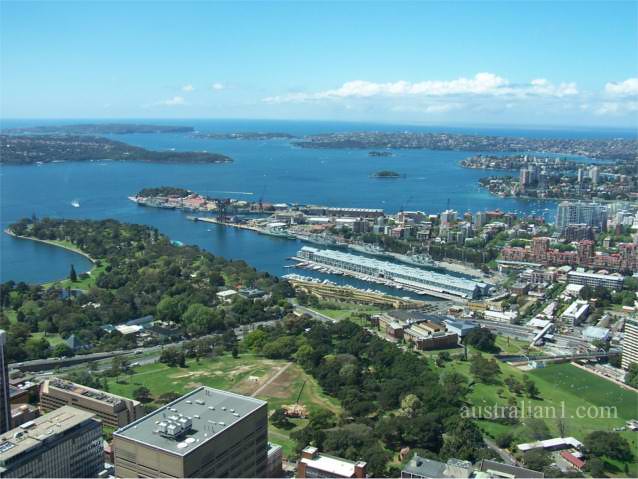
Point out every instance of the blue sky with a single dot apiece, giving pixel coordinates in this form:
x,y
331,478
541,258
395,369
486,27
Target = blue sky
x,y
544,63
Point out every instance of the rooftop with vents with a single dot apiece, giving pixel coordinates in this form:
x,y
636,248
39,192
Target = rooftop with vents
x,y
191,420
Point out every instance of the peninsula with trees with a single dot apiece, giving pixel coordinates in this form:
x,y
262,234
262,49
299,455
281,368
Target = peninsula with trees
x,y
99,129
38,149
137,273
247,135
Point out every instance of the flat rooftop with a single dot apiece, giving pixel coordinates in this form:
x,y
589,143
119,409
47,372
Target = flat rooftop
x,y
330,464
75,389
210,410
32,434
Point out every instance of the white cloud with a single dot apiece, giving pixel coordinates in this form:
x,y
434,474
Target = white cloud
x,y
617,108
443,107
175,101
217,86
629,87
188,88
542,86
427,108
481,84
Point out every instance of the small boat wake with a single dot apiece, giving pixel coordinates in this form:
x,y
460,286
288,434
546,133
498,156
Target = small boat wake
x,y
248,193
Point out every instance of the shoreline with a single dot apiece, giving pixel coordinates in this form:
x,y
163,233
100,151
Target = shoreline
x,y
441,264
57,245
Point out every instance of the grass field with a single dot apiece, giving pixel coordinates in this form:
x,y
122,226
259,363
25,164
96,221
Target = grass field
x,y
84,284
344,310
583,399
53,339
248,374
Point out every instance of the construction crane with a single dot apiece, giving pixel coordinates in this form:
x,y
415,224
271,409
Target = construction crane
x,y
300,391
406,203
222,209
261,199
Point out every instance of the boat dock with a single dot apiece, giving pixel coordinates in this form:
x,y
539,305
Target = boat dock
x,y
304,263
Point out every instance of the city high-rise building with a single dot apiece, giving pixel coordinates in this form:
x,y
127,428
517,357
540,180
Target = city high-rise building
x,y
630,344
205,433
448,217
5,397
528,177
576,212
593,174
64,443
114,411
577,233
480,219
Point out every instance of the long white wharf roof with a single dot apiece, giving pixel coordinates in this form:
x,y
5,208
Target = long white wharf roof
x,y
415,274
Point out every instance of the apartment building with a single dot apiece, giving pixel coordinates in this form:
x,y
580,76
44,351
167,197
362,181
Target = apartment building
x,y
630,344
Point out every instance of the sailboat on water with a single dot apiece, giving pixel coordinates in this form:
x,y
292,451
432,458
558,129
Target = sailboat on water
x,y
75,203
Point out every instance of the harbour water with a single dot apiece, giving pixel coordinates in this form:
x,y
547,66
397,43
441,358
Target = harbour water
x,y
270,169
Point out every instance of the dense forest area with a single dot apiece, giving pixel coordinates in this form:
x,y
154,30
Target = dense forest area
x,y
391,398
138,272
164,191
31,149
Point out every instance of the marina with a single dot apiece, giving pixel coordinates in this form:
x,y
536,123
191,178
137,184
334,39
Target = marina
x,y
389,274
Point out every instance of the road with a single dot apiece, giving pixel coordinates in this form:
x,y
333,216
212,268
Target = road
x,y
315,314
40,365
503,454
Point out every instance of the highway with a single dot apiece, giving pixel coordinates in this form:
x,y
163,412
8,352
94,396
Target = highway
x,y
49,364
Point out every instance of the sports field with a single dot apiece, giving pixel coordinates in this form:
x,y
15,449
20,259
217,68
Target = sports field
x,y
585,402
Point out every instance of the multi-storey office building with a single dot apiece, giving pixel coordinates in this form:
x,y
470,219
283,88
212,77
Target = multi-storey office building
x,y
114,411
594,280
206,433
64,443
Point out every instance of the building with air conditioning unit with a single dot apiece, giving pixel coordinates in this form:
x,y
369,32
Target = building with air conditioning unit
x,y
205,433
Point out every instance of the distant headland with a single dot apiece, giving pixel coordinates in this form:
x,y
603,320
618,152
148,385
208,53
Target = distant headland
x,y
246,135
39,149
100,129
